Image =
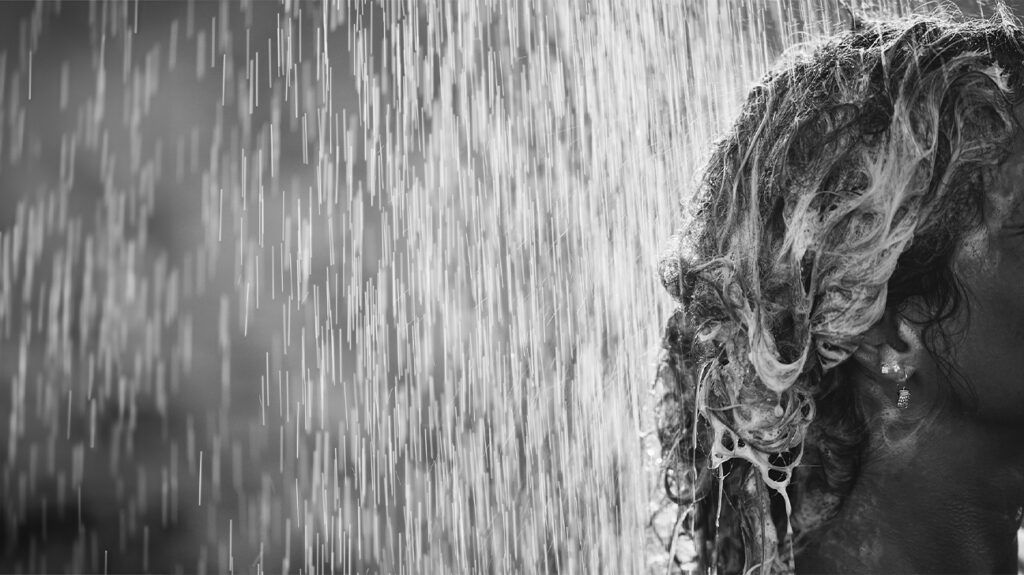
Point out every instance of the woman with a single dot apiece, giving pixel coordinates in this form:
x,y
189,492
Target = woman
x,y
845,374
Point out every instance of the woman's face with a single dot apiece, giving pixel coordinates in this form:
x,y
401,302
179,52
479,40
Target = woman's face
x,y
990,264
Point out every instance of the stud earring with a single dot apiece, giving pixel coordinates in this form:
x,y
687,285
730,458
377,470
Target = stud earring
x,y
901,375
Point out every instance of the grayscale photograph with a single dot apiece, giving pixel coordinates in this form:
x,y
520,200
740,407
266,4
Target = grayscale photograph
x,y
651,287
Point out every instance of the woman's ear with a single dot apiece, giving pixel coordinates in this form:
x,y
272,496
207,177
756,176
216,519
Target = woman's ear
x,y
891,349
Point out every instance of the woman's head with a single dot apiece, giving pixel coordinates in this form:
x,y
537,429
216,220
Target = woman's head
x,y
843,198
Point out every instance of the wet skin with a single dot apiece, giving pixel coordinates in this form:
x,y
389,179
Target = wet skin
x,y
946,495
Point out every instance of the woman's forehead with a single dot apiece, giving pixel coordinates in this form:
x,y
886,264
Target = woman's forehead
x,y
1003,193
1003,188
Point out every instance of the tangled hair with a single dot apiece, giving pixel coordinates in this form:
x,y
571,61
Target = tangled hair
x,y
843,190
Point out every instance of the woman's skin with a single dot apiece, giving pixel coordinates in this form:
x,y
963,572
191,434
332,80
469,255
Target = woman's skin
x,y
945,492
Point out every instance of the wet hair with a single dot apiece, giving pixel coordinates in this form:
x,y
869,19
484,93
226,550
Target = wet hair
x,y
853,173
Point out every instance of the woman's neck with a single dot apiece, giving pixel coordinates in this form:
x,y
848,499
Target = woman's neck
x,y
947,499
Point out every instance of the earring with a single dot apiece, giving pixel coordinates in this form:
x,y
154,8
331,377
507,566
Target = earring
x,y
903,400
901,374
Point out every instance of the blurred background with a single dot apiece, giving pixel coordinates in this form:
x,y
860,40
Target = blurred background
x,y
352,286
